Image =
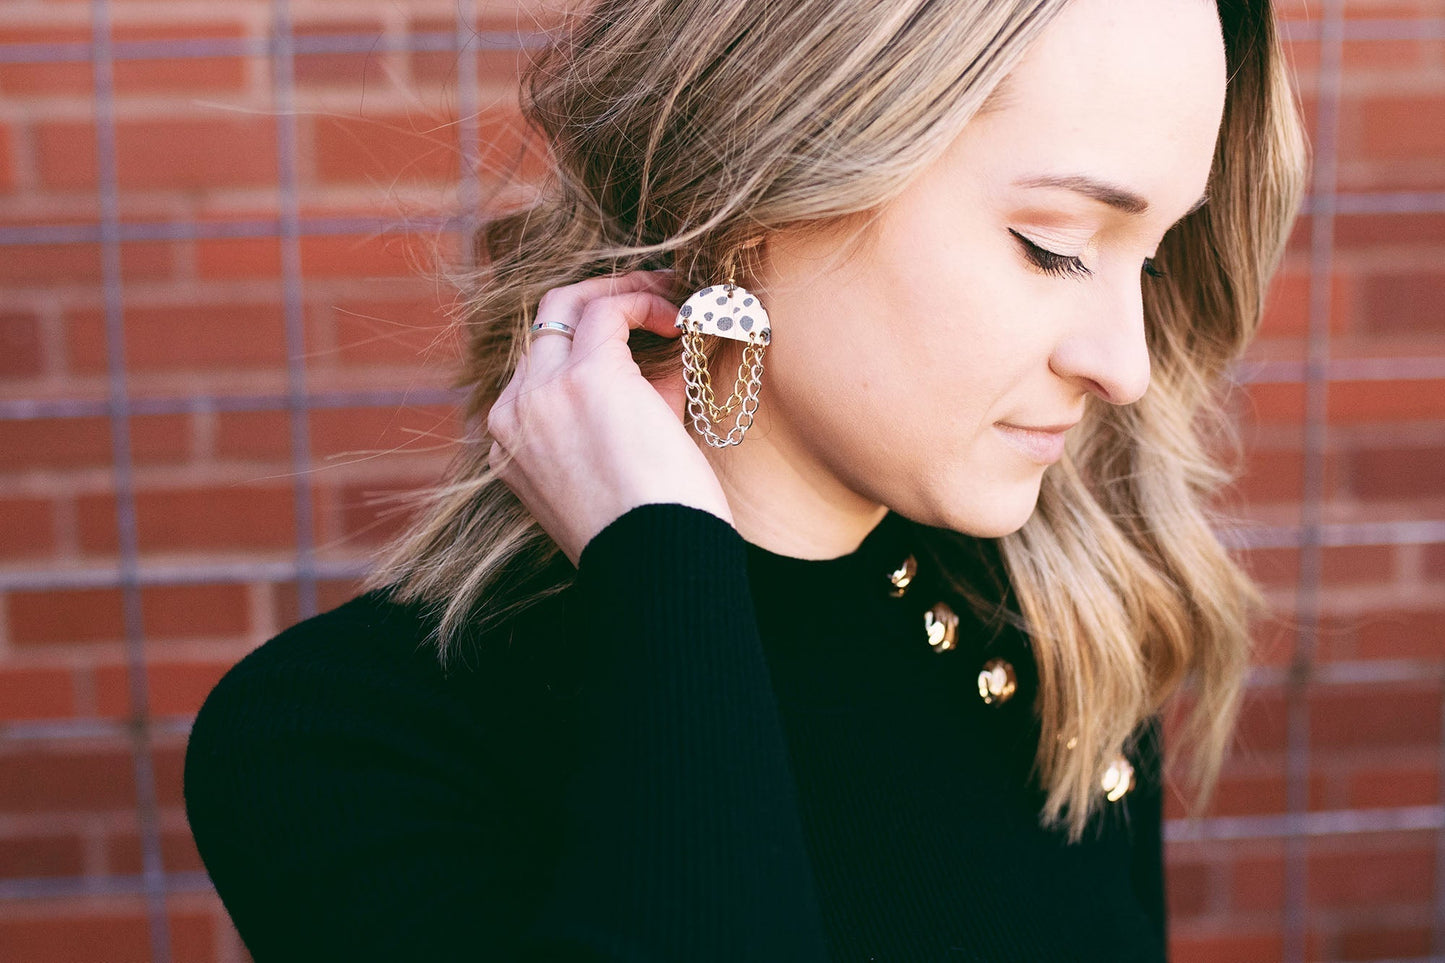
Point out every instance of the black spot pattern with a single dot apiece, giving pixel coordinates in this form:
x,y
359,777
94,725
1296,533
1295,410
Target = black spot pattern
x,y
724,322
722,300
705,291
686,311
707,315
746,321
748,302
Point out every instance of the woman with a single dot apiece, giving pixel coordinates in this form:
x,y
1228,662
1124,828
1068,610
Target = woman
x,y
867,661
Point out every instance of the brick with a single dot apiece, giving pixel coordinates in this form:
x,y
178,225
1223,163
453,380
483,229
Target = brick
x,y
497,66
253,435
329,594
57,78
1262,723
178,853
1234,947
1269,476
1401,126
1272,566
36,693
1366,873
385,149
169,763
190,611
1378,233
238,258
1385,785
1190,889
1400,303
398,332
65,153
1256,882
49,855
180,75
78,265
77,933
167,612
1400,635
184,337
1270,404
1287,305
1377,716
1379,943
341,69
364,256
36,264
189,154
7,160
1248,795
62,778
1355,402
86,442
1435,560
343,431
28,525
1378,474
1357,565
20,355
208,519
65,615
367,514
173,688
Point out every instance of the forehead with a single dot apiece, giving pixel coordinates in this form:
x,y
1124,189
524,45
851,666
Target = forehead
x,y
1131,91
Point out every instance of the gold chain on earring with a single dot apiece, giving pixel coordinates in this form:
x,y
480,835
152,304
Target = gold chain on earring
x,y
729,311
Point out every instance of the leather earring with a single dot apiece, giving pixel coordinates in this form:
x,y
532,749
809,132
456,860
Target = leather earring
x,y
725,311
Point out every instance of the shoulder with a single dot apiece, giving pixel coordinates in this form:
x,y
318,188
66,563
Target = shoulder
x,y
336,776
324,664
360,682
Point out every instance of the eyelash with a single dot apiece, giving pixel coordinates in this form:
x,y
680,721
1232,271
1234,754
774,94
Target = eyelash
x,y
1063,265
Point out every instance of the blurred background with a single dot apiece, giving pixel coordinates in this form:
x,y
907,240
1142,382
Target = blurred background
x,y
222,344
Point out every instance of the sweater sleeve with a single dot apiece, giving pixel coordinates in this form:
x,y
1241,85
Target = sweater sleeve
x,y
336,825
1147,817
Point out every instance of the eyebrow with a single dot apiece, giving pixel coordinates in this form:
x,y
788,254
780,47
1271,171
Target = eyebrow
x,y
1113,195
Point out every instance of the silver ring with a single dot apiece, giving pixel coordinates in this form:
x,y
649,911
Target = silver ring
x,y
566,329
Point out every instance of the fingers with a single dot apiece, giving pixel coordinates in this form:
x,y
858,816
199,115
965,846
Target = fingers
x,y
565,304
612,304
610,318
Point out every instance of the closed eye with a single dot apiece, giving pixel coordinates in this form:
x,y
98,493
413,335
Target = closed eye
x,y
1066,265
1059,265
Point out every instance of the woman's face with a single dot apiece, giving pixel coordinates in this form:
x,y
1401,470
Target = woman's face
x,y
891,374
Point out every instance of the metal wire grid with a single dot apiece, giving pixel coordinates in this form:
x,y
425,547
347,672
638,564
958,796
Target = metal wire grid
x,y
1296,826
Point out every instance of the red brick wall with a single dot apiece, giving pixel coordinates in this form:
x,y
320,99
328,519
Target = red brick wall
x,y
245,222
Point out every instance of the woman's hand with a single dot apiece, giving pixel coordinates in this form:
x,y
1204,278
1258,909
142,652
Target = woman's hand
x,y
579,434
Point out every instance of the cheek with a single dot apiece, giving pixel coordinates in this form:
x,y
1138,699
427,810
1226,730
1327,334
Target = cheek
x,y
968,339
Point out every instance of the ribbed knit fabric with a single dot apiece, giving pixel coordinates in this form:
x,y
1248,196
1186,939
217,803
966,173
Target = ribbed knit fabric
x,y
701,751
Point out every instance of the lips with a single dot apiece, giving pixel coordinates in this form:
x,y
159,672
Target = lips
x,y
1044,446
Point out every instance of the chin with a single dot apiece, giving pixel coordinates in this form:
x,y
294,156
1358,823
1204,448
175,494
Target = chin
x,y
995,515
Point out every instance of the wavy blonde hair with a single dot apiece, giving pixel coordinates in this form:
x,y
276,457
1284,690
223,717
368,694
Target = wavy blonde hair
x,y
679,131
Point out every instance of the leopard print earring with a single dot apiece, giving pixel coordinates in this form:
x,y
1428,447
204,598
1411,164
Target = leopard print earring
x,y
724,311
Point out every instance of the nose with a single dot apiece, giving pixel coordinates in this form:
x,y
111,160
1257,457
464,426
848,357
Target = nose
x,y
1105,351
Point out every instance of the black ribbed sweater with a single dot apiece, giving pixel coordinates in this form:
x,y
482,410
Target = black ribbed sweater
x,y
699,751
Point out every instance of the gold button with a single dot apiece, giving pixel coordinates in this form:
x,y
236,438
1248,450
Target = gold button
x,y
942,626
1118,779
996,681
902,576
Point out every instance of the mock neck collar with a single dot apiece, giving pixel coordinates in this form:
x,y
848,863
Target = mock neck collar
x,y
866,569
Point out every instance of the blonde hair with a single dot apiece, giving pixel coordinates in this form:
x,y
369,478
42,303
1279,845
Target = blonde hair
x,y
681,130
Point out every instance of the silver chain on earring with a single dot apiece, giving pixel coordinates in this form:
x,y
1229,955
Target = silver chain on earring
x,y
725,311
